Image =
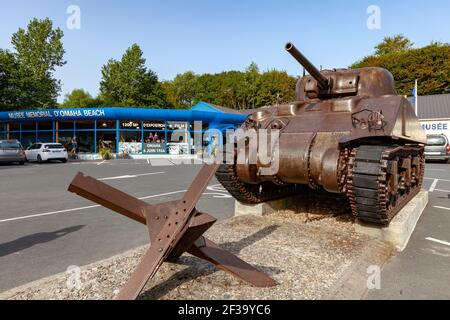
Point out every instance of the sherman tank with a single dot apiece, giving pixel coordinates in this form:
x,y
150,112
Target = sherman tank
x,y
348,132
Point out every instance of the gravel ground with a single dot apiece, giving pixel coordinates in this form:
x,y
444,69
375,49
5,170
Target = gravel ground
x,y
309,255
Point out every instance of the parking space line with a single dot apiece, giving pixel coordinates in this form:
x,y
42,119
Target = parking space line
x,y
435,169
82,208
48,213
443,208
437,179
128,176
439,241
442,190
163,194
433,185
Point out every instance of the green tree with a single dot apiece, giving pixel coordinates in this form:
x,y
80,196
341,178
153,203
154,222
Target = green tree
x,y
232,89
128,82
181,91
9,92
397,43
275,84
251,87
430,65
38,52
78,98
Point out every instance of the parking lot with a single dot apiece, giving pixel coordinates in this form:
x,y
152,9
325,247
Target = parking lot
x,y
422,270
44,228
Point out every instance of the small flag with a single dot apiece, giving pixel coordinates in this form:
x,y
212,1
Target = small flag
x,y
415,95
414,92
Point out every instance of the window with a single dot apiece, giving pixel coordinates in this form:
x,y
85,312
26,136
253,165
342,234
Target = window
x,y
53,146
65,138
14,126
47,126
28,139
45,136
178,142
178,136
130,136
29,126
65,125
85,125
86,141
14,135
105,125
106,139
436,141
10,145
2,131
154,137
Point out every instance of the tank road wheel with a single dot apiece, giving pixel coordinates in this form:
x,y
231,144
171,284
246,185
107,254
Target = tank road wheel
x,y
381,180
251,193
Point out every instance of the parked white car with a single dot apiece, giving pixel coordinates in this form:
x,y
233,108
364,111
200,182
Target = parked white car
x,y
41,152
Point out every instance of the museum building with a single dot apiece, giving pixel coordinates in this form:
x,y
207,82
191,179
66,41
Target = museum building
x,y
135,131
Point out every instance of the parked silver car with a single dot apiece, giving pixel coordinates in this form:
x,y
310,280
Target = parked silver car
x,y
11,151
437,147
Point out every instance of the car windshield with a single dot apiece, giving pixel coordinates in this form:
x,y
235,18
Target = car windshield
x,y
54,146
436,141
10,145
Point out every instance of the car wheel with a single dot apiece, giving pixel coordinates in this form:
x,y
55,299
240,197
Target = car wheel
x,y
22,163
39,159
64,160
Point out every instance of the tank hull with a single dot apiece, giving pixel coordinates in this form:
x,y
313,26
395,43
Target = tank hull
x,y
348,132
312,137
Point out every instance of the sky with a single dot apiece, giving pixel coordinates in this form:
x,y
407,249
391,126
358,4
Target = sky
x,y
210,36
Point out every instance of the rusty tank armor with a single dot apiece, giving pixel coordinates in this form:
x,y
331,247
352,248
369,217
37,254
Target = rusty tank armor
x,y
347,132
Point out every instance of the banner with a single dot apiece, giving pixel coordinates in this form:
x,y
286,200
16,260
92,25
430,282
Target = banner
x,y
178,148
154,148
130,147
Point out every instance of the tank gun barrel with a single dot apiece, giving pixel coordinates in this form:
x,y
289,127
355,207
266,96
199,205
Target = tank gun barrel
x,y
312,70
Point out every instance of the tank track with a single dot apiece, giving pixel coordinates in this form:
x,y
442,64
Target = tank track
x,y
252,193
374,194
382,179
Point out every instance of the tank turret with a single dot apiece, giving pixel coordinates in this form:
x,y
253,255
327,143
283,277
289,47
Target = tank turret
x,y
322,81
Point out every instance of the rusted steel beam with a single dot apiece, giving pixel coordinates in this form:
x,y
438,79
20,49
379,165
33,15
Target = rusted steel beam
x,y
109,197
197,226
226,261
174,227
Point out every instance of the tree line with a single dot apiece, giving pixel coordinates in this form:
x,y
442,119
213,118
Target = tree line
x,y
27,78
430,65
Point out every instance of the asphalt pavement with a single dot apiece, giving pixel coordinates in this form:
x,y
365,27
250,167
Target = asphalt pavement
x,y
44,229
422,270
